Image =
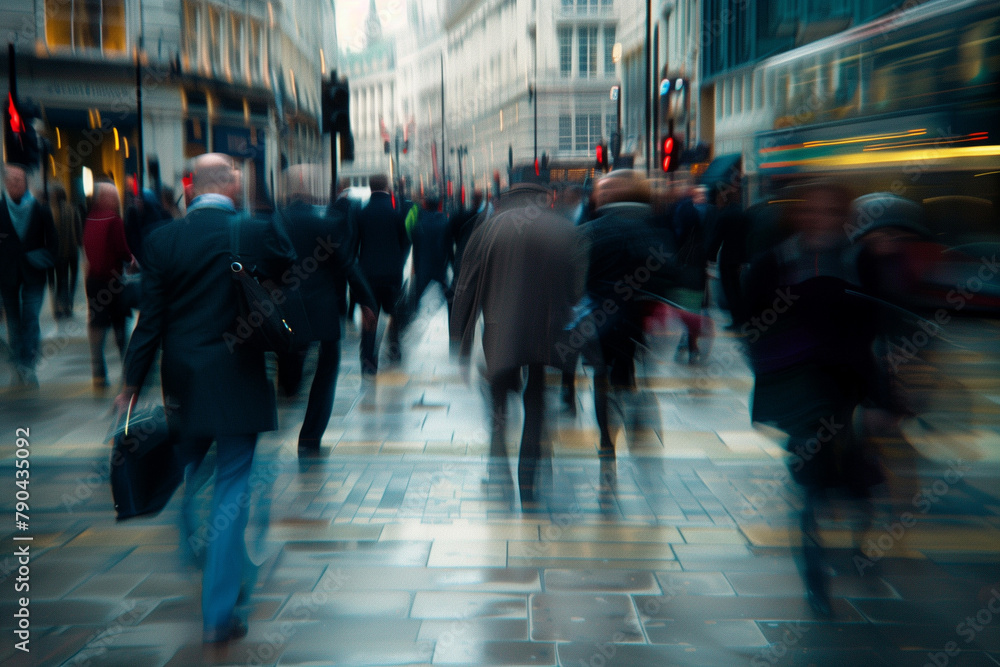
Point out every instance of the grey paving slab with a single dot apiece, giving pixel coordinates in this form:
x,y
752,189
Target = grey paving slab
x,y
574,654
739,608
471,630
461,605
618,581
495,653
788,584
724,633
694,583
577,617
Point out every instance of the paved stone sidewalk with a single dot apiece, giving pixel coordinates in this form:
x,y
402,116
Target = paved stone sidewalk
x,y
394,549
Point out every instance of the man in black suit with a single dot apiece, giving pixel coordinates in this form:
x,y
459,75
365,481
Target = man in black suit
x,y
383,246
28,245
322,245
214,382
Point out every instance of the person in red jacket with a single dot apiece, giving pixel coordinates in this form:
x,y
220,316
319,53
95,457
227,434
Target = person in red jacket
x,y
107,253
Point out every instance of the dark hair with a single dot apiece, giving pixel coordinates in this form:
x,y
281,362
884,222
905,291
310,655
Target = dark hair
x,y
378,182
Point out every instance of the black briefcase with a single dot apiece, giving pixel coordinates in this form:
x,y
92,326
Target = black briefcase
x,y
145,466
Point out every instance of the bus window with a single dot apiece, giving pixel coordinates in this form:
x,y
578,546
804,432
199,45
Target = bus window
x,y
979,53
846,98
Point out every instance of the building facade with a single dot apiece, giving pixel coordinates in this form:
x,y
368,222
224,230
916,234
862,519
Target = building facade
x,y
213,77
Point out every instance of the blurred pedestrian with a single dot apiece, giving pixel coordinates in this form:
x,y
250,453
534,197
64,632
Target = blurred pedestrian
x,y
811,349
217,380
383,245
432,253
69,230
688,220
343,211
461,225
169,201
27,252
729,230
628,258
107,254
143,215
323,248
523,271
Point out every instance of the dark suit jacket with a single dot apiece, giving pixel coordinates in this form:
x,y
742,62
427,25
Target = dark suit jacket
x,y
344,211
15,269
310,285
218,385
382,239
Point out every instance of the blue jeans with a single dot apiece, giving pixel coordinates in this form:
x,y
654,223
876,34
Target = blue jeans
x,y
226,550
23,303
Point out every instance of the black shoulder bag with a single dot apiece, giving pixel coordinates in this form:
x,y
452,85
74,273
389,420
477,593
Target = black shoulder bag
x,y
261,321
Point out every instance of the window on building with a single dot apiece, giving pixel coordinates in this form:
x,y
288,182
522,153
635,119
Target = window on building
x,y
189,44
609,48
565,51
565,132
588,131
216,41
86,24
588,51
237,49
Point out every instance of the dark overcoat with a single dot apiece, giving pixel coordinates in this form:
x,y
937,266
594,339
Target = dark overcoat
x,y
40,239
322,244
214,383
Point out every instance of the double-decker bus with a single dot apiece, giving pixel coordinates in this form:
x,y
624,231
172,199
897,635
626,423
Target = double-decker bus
x,y
908,104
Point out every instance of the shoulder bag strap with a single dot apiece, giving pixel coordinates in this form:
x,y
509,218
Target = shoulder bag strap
x,y
234,237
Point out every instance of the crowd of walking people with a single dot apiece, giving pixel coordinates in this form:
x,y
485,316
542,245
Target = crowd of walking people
x,y
556,276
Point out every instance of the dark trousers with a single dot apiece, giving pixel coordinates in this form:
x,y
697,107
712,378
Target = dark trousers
x,y
106,311
321,395
22,304
386,293
62,282
534,413
421,281
290,367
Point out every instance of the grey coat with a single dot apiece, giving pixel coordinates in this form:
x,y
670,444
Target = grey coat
x,y
523,269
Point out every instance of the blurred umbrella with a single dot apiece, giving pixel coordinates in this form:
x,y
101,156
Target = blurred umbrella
x,y
880,210
724,169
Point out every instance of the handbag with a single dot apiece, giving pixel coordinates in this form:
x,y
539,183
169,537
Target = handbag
x,y
145,468
261,321
131,290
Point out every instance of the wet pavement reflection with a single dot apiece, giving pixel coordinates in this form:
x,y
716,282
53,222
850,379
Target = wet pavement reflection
x,y
403,542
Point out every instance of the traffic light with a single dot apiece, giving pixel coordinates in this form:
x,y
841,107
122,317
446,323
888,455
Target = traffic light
x,y
601,156
671,153
336,113
19,136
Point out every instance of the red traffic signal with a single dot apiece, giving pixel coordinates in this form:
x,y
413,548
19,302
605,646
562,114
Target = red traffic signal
x,y
671,153
16,124
601,156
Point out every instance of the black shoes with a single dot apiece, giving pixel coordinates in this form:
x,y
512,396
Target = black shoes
x,y
234,629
